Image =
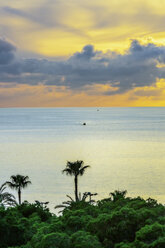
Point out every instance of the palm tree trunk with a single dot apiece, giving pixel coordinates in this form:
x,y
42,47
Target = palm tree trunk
x,y
19,196
76,188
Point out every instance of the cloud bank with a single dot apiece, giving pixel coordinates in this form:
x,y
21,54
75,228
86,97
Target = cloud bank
x,y
141,65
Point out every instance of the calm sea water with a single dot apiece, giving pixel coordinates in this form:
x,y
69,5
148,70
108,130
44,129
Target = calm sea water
x,y
124,146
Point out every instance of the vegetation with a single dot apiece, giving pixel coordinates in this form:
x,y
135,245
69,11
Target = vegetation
x,y
6,199
75,169
18,183
115,222
121,223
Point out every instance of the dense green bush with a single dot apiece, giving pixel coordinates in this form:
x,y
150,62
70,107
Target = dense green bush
x,y
55,240
115,222
82,239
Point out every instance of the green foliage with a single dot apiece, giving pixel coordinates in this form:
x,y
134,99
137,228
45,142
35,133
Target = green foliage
x,y
118,195
117,226
150,235
76,220
82,239
27,209
17,227
115,222
123,245
55,240
6,199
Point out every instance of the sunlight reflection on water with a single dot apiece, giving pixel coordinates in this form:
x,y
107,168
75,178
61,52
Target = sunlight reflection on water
x,y
124,146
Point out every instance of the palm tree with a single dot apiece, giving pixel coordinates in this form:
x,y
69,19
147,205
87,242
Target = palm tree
x,y
118,195
18,183
6,199
71,202
75,169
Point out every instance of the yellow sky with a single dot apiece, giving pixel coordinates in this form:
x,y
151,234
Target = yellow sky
x,y
58,28
53,28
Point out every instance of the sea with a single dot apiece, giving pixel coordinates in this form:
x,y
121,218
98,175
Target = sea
x,y
125,148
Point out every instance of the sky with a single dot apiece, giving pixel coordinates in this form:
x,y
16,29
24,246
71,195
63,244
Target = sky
x,y
80,53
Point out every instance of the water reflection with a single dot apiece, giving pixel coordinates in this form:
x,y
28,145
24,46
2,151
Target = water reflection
x,y
124,146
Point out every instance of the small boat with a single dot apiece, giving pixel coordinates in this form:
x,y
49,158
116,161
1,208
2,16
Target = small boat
x,y
84,124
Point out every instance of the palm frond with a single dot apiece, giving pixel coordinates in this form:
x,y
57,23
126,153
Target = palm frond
x,y
25,184
2,187
26,178
85,195
12,185
117,194
75,168
6,199
67,171
82,170
66,202
60,206
70,197
7,195
18,181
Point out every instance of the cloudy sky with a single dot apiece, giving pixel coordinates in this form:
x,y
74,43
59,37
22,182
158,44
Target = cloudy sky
x,y
82,53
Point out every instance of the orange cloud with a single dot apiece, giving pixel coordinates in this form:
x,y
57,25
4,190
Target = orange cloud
x,y
59,96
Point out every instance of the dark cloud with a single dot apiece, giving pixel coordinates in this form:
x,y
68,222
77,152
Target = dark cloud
x,y
86,54
6,52
138,67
